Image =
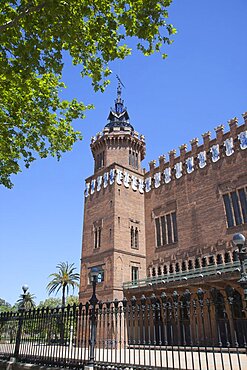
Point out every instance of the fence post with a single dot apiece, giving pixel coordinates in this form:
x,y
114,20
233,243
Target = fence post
x,y
21,310
92,341
18,336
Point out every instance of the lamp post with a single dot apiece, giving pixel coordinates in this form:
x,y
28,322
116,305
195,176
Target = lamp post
x,y
21,311
93,301
239,241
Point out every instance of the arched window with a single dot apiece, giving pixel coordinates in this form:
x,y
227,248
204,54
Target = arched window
x,y
159,271
177,267
153,272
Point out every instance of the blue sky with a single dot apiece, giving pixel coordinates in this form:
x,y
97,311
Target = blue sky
x,y
202,84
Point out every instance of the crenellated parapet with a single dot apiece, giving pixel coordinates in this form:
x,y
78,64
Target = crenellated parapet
x,y
118,137
199,156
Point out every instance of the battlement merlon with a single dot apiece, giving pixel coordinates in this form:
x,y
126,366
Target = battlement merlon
x,y
115,131
208,142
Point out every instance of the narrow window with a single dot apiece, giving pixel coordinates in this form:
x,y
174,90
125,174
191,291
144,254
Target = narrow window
x,y
97,161
132,236
136,160
243,202
158,239
134,274
100,157
177,267
174,224
165,270
103,159
236,208
169,228
228,209
159,271
110,233
95,238
163,228
99,237
153,272
133,159
130,158
136,238
171,269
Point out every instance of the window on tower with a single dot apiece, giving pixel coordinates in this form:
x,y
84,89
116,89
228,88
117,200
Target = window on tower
x,y
134,236
133,158
97,229
100,160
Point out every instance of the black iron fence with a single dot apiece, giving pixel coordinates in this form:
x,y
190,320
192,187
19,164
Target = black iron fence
x,y
203,330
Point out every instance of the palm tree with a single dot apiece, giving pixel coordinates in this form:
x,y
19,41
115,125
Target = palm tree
x,y
26,301
63,279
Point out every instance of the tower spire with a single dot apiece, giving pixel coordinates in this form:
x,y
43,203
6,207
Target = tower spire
x,y
119,117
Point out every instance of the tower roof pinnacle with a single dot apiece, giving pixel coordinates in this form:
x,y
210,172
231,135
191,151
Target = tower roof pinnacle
x,y
118,116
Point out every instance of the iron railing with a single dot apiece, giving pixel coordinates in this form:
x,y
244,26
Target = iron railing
x,y
203,330
197,273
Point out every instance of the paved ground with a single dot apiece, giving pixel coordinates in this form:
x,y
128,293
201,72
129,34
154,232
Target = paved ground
x,y
165,358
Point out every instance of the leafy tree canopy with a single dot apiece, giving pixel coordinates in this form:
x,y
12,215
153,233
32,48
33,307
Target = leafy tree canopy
x,y
50,302
34,120
4,306
72,299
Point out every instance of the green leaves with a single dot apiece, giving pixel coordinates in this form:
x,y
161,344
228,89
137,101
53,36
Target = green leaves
x,y
65,278
34,120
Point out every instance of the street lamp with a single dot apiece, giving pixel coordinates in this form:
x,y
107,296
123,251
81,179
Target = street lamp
x,y
94,273
239,241
21,309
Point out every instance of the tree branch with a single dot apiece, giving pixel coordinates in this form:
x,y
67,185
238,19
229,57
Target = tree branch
x,y
21,15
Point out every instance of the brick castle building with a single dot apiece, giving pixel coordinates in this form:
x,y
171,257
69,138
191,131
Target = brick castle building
x,y
169,227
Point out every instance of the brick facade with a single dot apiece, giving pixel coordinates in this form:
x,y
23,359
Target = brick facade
x,y
190,204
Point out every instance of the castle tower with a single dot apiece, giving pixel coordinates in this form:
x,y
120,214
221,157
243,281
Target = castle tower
x,y
114,227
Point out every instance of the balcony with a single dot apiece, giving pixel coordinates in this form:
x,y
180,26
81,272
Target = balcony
x,y
199,273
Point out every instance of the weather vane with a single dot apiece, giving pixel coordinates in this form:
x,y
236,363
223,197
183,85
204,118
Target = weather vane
x,y
119,80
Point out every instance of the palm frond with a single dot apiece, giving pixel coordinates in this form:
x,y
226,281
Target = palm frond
x,y
64,279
